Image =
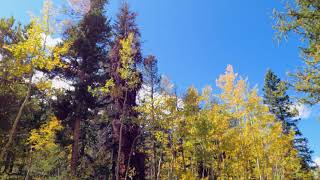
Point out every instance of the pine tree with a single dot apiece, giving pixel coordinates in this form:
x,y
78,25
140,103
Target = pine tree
x,y
275,96
85,61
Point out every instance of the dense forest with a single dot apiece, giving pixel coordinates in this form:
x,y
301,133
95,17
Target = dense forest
x,y
93,106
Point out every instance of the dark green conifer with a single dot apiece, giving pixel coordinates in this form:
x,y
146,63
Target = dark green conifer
x,y
279,103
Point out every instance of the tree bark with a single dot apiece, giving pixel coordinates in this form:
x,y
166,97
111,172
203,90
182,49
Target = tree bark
x,y
120,161
75,147
114,158
121,166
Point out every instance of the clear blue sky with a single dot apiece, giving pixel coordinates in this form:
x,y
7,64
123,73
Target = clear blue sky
x,y
195,40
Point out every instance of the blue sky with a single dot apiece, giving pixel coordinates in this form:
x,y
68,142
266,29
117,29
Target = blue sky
x,y
195,40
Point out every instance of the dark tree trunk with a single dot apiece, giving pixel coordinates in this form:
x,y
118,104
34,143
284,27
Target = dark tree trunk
x,y
128,156
114,158
119,160
138,162
75,147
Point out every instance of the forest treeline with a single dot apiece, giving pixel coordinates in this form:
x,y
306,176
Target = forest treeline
x,y
116,117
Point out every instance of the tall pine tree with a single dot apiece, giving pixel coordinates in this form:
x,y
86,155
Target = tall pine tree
x,y
278,101
86,70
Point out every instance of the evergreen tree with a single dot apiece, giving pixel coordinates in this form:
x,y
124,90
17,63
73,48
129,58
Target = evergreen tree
x,y
85,61
275,96
278,101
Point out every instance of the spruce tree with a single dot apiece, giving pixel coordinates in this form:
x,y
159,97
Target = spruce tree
x,y
280,105
85,70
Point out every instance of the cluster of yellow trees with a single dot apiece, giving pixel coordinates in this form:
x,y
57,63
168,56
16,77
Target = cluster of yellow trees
x,y
28,56
229,135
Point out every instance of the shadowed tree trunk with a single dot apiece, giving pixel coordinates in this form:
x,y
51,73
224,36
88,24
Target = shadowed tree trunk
x,y
75,147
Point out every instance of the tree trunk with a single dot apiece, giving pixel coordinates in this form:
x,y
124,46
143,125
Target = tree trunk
x,y
75,147
121,166
17,119
120,161
114,158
